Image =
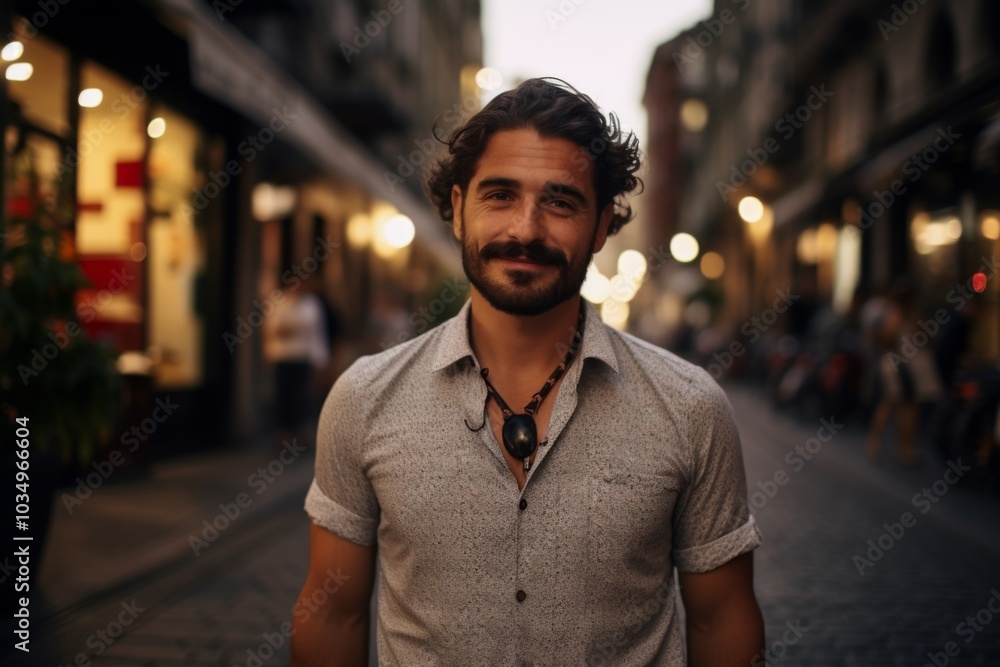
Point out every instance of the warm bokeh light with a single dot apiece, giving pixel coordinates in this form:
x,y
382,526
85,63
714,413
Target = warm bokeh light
x,y
156,128
623,288
19,72
684,247
272,202
615,313
596,288
137,251
712,265
489,78
751,209
632,263
359,232
929,235
12,51
398,231
990,227
694,115
826,242
805,248
90,98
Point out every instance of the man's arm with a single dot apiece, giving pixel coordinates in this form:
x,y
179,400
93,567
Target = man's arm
x,y
724,625
330,619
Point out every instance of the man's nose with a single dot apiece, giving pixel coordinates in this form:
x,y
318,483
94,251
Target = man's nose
x,y
526,224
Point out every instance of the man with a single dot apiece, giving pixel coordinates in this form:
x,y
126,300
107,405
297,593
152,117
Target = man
x,y
551,537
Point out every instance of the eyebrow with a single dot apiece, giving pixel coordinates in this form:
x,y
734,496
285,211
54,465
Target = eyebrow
x,y
562,189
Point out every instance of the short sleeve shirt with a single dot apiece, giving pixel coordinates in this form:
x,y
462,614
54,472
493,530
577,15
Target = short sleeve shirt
x,y
642,473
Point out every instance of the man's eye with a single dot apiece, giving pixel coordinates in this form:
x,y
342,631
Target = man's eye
x,y
561,203
498,196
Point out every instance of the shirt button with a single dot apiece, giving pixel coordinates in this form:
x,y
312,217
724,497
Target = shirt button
x,y
521,595
523,504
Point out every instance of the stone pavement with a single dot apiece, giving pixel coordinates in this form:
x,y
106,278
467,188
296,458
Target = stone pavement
x,y
118,563
911,595
125,555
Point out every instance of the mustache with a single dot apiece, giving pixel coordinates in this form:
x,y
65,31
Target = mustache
x,y
535,252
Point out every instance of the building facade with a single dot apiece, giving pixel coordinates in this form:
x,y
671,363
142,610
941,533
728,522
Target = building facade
x,y
867,134
214,152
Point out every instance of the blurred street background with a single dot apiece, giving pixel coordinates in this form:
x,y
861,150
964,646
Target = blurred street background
x,y
212,208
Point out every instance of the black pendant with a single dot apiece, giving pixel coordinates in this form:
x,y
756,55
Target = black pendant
x,y
520,436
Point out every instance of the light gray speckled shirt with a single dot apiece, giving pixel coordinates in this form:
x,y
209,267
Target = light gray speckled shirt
x,y
643,473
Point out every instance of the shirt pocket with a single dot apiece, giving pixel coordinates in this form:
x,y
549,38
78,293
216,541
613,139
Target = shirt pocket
x,y
629,520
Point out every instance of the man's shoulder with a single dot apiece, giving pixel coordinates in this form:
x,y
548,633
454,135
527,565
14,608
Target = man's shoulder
x,y
669,375
369,371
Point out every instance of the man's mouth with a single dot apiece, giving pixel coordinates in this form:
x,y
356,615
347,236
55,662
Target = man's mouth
x,y
524,261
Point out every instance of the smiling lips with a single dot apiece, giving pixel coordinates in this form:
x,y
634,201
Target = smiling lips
x,y
524,261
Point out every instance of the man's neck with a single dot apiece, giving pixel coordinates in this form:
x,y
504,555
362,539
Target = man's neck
x,y
521,348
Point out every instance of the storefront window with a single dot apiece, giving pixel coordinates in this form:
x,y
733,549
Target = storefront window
x,y
107,164
176,256
41,99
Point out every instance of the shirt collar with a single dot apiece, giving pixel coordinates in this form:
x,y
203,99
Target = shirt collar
x,y
453,345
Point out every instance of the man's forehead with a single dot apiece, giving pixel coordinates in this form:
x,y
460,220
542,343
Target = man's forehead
x,y
525,154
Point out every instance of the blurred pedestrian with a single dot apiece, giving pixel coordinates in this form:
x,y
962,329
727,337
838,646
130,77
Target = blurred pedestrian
x,y
334,339
907,375
295,344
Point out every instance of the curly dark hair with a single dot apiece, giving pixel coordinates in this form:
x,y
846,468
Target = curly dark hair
x,y
553,108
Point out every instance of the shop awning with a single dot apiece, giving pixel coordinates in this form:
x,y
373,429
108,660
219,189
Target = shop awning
x,y
230,68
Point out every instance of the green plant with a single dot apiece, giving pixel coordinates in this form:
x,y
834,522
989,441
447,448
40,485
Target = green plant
x,y
51,371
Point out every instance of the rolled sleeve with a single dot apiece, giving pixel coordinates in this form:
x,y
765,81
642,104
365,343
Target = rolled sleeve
x,y
712,521
719,552
328,513
341,498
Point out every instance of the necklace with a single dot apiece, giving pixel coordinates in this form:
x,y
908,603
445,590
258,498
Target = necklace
x,y
520,435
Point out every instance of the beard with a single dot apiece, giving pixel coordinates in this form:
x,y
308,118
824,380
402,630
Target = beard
x,y
528,292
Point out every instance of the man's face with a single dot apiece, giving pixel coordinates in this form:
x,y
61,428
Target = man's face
x,y
529,223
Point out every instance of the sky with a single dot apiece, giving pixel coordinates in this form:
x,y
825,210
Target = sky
x,y
602,47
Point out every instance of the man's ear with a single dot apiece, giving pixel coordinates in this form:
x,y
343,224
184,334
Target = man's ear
x,y
456,208
603,222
